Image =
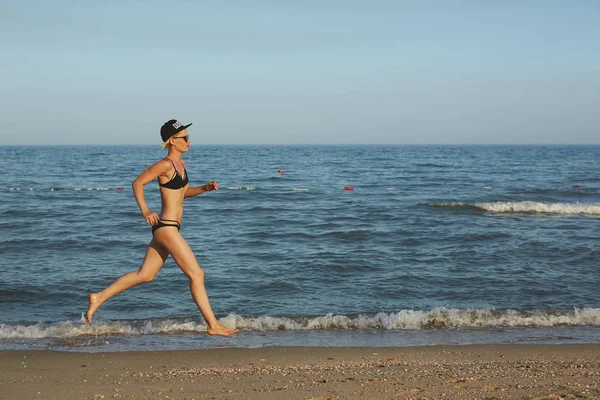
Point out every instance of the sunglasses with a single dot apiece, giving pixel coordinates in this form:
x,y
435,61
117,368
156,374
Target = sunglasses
x,y
186,137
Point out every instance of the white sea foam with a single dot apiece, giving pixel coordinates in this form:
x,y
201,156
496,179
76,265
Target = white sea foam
x,y
537,207
440,318
529,207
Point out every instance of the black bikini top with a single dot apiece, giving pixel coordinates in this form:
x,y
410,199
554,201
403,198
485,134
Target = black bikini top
x,y
176,182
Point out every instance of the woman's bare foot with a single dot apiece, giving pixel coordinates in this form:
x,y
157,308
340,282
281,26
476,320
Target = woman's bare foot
x,y
221,330
94,304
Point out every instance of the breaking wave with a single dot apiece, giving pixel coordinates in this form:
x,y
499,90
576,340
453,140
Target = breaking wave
x,y
440,319
532,207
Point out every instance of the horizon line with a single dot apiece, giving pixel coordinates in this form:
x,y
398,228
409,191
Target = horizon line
x,y
304,144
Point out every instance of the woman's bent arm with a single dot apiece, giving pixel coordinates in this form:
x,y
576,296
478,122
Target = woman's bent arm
x,y
195,191
144,178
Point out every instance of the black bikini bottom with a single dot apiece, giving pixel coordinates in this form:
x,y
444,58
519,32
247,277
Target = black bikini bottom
x,y
167,222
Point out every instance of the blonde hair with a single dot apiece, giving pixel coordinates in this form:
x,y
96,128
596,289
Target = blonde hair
x,y
167,144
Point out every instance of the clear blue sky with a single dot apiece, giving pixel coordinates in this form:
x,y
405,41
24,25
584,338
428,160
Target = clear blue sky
x,y
299,72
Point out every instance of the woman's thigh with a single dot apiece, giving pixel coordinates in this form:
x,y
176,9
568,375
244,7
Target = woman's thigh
x,y
156,254
179,249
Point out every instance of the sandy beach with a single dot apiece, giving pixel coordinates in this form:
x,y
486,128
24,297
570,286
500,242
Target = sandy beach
x,y
433,372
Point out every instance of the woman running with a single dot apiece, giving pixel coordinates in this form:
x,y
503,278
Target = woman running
x,y
166,239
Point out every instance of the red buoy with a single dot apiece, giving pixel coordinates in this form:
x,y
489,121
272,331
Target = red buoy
x,y
120,188
348,188
280,171
577,187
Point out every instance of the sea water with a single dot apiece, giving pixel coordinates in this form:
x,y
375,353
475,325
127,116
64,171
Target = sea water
x,y
434,245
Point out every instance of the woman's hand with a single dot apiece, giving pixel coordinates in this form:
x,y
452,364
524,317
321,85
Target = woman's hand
x,y
151,218
212,185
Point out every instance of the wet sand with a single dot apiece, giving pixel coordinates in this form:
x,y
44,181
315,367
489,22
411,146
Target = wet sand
x,y
432,372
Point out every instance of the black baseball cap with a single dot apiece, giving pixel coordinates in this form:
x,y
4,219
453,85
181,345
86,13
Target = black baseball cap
x,y
170,128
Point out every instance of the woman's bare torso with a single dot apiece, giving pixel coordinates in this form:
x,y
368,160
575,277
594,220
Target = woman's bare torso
x,y
172,199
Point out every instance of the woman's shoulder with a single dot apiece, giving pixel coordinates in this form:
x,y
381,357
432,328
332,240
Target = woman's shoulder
x,y
166,161
162,165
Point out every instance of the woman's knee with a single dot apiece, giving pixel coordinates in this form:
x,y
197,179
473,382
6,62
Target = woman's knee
x,y
144,277
196,275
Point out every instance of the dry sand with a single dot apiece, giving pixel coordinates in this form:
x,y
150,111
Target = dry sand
x,y
433,372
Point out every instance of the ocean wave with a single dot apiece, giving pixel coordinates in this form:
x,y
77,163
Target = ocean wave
x,y
436,319
532,207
